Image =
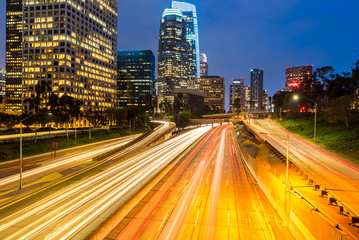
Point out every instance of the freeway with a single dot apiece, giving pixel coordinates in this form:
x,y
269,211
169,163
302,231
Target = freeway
x,y
74,211
339,176
209,195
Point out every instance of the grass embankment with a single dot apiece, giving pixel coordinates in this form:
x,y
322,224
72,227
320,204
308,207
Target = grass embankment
x,y
11,151
334,137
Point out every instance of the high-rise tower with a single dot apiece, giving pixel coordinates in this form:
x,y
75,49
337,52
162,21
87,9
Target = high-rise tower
x,y
172,54
256,100
192,37
71,45
14,17
236,90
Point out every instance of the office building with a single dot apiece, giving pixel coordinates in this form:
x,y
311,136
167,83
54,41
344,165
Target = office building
x,y
71,45
204,65
14,21
192,36
136,73
247,97
213,88
193,100
2,89
256,93
265,99
294,76
172,54
236,90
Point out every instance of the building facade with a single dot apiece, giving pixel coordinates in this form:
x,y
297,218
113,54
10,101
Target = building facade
x,y
236,90
296,75
2,89
192,99
192,36
136,73
265,99
247,97
204,65
213,88
71,46
256,93
14,28
172,54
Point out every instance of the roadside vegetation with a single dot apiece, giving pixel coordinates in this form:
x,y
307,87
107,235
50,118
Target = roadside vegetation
x,y
332,136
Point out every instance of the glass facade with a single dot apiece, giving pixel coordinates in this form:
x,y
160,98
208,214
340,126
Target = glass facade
x,y
136,73
192,36
172,55
14,26
256,100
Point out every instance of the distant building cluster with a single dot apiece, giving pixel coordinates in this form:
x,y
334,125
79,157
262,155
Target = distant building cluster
x,y
71,47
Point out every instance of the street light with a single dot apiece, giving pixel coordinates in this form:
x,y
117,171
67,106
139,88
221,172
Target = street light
x,y
21,160
296,97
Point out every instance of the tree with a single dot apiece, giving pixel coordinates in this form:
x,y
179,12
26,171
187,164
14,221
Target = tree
x,y
341,110
9,120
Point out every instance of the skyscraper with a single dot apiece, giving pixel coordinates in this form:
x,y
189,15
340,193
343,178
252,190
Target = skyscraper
x,y
136,73
71,45
192,36
172,54
204,65
236,90
296,75
247,97
14,17
256,101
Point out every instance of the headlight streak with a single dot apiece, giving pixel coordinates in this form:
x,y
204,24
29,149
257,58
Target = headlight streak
x,y
109,186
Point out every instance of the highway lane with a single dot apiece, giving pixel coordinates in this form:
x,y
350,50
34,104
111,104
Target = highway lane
x,y
208,196
339,176
35,169
72,212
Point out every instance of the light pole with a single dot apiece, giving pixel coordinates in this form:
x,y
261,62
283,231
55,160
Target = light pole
x,y
296,97
21,159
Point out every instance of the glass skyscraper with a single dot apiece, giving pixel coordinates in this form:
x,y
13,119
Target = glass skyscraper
x,y
14,27
172,54
136,73
192,37
256,94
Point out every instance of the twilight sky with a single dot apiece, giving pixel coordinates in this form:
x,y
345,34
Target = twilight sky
x,y
240,34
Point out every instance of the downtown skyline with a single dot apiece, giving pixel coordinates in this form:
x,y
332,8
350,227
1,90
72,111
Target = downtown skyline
x,y
236,39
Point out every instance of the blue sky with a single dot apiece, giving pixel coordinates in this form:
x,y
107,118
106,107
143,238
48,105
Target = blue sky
x,y
240,34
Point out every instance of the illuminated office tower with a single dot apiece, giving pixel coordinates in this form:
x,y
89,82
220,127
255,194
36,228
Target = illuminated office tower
x,y
192,37
136,73
256,100
247,97
204,65
13,55
71,45
265,99
172,55
213,88
2,89
236,90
